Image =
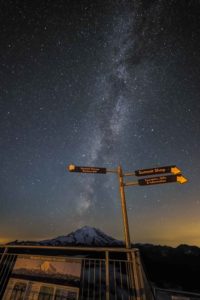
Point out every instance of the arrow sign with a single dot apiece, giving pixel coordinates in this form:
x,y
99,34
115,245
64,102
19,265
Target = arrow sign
x,y
181,179
162,179
162,170
94,170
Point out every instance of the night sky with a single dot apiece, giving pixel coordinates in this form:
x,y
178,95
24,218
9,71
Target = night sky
x,y
99,83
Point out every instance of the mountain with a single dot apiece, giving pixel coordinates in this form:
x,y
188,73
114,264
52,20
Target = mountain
x,y
85,236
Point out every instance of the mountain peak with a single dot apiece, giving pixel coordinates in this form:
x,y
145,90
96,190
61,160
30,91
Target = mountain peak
x,y
85,236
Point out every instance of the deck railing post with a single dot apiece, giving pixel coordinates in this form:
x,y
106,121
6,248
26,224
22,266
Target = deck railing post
x,y
136,280
107,276
3,254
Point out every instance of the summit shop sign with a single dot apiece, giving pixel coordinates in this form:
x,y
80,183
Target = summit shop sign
x,y
162,170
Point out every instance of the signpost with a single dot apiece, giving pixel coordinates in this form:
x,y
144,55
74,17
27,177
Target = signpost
x,y
176,177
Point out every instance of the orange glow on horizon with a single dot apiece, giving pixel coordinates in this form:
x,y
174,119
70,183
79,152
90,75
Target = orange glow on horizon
x,y
4,240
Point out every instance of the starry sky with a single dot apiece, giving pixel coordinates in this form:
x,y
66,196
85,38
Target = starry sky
x,y
99,83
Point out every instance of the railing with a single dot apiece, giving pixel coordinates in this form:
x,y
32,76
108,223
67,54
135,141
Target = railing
x,y
101,278
166,294
6,265
93,283
94,280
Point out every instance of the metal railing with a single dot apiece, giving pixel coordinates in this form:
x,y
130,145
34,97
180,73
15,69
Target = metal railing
x,y
94,280
167,294
104,278
6,265
93,283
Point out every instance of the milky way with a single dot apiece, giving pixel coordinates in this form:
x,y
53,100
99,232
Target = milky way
x,y
99,83
110,110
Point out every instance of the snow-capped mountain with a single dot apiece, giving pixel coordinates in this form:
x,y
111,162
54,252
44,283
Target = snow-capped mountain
x,y
47,267
85,236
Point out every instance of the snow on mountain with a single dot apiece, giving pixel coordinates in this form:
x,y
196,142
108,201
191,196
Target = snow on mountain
x,y
47,267
85,236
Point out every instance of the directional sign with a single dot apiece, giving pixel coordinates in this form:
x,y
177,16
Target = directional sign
x,y
162,179
162,170
94,170
181,179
